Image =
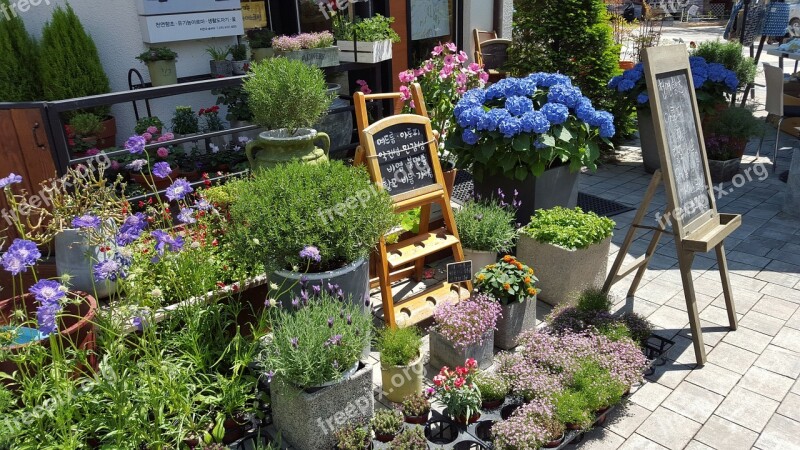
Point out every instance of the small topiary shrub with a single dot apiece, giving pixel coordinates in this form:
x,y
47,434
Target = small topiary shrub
x,y
593,300
19,77
399,346
485,226
569,228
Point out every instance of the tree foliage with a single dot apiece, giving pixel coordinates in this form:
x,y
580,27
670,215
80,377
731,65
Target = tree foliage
x,y
19,74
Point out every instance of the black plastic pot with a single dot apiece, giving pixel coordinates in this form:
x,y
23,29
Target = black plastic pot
x,y
470,445
441,432
483,430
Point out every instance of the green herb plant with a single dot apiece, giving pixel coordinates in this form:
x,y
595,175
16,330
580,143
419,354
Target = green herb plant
x,y
185,121
387,421
571,408
415,405
730,55
486,226
569,228
353,436
493,387
86,124
218,53
157,54
146,122
398,346
376,28
410,439
238,52
260,37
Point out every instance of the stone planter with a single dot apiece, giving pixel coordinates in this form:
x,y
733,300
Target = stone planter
x,y
647,139
564,273
162,73
221,68
516,318
279,146
443,353
308,421
74,256
723,170
398,382
337,125
352,279
260,54
480,259
365,52
555,187
317,57
240,67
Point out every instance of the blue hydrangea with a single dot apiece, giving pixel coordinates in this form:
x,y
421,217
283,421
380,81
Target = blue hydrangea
x,y
518,105
635,74
607,129
470,117
642,98
534,122
551,79
625,85
717,72
469,137
555,113
539,144
731,81
584,109
491,120
614,82
564,94
510,127
605,121
496,91
526,86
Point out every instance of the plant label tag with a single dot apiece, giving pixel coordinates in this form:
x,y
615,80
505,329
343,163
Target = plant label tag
x,y
459,272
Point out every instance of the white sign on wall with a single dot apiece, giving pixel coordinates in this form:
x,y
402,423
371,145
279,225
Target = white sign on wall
x,y
184,27
429,19
156,7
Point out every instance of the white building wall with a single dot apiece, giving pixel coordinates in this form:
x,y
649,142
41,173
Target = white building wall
x,y
477,14
114,26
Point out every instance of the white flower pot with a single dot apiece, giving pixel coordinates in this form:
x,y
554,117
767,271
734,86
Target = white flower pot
x,y
479,258
365,52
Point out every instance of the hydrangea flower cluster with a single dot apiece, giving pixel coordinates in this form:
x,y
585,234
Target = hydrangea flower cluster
x,y
467,322
710,78
504,128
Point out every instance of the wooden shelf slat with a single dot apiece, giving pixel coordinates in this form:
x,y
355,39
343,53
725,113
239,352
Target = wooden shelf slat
x,y
425,244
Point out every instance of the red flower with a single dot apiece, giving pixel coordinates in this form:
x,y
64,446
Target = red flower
x,y
459,382
471,363
220,284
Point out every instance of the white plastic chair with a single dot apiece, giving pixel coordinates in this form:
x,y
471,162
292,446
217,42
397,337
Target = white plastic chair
x,y
774,106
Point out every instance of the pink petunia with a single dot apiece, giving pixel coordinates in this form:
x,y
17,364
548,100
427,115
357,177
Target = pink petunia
x,y
462,56
405,93
407,76
451,46
437,50
474,67
449,60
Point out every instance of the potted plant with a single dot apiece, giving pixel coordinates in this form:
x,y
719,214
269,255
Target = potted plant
x,y
530,426
365,40
286,97
726,133
457,391
572,410
92,131
598,387
494,388
211,123
185,123
401,362
513,285
260,41
410,439
314,49
220,65
161,65
152,125
355,435
567,249
464,330
240,62
239,115
444,78
387,424
416,409
712,81
531,135
485,229
314,359
322,233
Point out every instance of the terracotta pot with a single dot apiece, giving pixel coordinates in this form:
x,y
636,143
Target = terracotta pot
x,y
449,173
107,137
76,325
417,420
554,443
626,65
145,180
574,426
491,404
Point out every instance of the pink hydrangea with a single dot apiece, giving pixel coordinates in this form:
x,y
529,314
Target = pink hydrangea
x,y
162,152
153,130
147,137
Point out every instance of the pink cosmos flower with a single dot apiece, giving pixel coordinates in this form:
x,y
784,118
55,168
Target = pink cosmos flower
x,y
162,152
451,46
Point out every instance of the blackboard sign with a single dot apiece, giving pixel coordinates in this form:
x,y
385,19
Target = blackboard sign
x,y
683,146
403,156
459,272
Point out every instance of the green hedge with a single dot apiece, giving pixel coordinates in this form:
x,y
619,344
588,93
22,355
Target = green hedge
x,y
19,76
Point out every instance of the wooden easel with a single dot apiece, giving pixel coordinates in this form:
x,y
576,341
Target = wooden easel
x,y
697,227
412,134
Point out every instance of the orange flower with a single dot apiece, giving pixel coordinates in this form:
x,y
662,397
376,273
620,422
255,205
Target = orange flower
x,y
508,258
527,280
507,286
531,291
518,264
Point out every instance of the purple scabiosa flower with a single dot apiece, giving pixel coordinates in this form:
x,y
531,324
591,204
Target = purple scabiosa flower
x,y
179,189
48,291
86,221
187,215
310,253
131,229
202,205
46,317
109,270
12,178
139,322
161,169
164,239
20,255
136,165
135,144
12,264
295,342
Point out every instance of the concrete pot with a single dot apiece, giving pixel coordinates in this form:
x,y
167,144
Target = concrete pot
x,y
260,54
564,273
337,125
443,353
221,68
74,256
353,280
279,146
162,73
251,135
555,187
479,258
317,57
723,170
516,318
240,67
398,382
647,139
309,421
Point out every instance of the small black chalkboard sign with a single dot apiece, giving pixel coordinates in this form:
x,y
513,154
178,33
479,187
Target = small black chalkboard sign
x,y
459,272
403,157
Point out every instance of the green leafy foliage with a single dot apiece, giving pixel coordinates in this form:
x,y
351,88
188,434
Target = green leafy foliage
x,y
86,124
236,100
353,436
492,386
573,37
20,77
218,53
485,226
238,52
593,300
571,408
596,385
157,54
415,405
398,346
286,93
507,281
371,29
568,228
729,54
146,122
331,206
412,438
70,63
185,121
260,37
387,421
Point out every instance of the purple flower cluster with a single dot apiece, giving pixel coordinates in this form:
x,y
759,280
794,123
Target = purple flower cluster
x,y
132,227
310,253
19,256
161,169
49,294
178,190
165,240
86,221
109,269
135,144
527,428
12,178
467,322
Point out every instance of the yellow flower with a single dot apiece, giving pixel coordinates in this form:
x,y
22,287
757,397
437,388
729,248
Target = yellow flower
x,y
531,291
491,266
530,271
481,277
